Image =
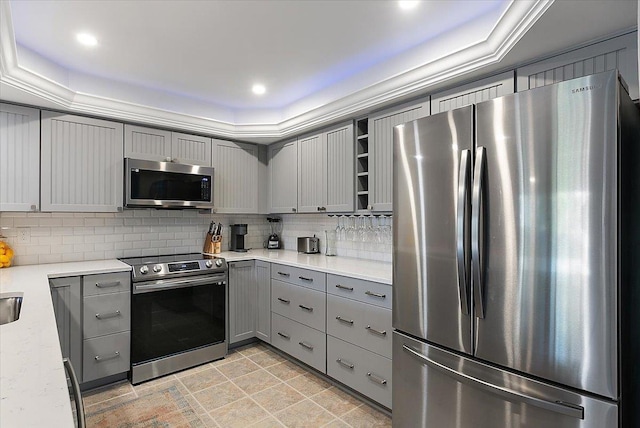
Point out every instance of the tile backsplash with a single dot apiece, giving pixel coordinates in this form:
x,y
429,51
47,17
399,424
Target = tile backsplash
x,y
66,237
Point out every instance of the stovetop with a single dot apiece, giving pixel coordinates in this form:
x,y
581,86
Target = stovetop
x,y
174,266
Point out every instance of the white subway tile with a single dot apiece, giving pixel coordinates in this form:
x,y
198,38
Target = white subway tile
x,y
91,239
94,222
50,258
94,255
123,245
105,246
81,248
72,239
114,238
72,222
133,237
72,257
51,222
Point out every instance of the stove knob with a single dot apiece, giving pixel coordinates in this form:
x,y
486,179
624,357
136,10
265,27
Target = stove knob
x,y
144,269
208,264
157,268
218,262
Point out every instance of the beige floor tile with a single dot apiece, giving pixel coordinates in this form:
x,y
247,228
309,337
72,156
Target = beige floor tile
x,y
270,422
192,370
231,357
239,414
95,396
336,401
238,368
266,358
365,417
304,414
256,381
308,384
278,397
208,421
152,383
195,405
109,403
152,386
218,396
251,349
336,423
285,370
202,379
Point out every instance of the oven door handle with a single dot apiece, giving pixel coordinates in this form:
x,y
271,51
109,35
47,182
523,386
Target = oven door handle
x,y
172,284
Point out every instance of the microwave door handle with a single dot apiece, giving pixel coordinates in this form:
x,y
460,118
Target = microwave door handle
x,y
462,228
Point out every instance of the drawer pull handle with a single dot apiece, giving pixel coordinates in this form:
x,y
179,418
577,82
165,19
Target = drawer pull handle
x,y
343,287
111,315
346,321
372,294
306,279
99,359
107,284
346,364
285,301
285,336
306,308
306,345
284,274
377,379
373,330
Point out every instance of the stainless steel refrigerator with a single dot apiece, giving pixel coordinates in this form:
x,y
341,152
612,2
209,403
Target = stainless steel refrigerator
x,y
516,260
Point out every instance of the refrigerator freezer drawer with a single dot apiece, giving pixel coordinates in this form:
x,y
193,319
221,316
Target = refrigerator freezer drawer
x,y
436,388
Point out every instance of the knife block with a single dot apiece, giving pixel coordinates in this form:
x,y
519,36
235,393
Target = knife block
x,y
212,244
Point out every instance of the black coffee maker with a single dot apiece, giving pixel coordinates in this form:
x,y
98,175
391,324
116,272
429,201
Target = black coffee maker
x,y
237,237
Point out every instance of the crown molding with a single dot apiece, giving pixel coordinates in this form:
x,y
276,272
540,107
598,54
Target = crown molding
x,y
516,20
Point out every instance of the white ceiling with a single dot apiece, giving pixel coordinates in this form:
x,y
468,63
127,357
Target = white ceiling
x,y
191,64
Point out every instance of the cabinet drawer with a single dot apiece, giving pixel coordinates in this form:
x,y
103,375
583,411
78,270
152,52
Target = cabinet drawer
x,y
107,314
367,326
106,283
374,293
298,303
304,277
364,371
302,342
106,355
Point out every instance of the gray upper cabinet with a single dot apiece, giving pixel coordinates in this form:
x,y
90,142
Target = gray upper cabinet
x,y
325,171
165,146
283,177
381,151
263,307
242,301
474,92
81,164
616,53
236,177
19,158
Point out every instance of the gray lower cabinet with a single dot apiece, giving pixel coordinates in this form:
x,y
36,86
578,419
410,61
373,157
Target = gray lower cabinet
x,y
300,341
93,316
300,304
242,301
360,369
263,306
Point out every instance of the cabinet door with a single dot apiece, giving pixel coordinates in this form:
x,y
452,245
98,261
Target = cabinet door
x,y
190,149
474,92
19,158
263,312
381,152
312,166
617,53
147,143
67,307
81,164
242,301
236,177
340,165
283,177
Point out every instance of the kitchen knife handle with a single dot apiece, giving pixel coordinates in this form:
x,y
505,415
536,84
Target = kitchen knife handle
x,y
462,228
477,220
561,407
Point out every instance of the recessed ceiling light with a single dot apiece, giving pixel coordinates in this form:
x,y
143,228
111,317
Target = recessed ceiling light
x,y
408,4
259,89
86,39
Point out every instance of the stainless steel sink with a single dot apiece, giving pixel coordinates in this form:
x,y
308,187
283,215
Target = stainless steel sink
x,y
10,305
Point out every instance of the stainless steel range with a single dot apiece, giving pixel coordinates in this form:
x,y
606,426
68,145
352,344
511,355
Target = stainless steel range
x,y
178,313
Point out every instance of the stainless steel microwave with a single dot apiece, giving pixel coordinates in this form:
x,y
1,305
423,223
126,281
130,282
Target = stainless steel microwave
x,y
151,184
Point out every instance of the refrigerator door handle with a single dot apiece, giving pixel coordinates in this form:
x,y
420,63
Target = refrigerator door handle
x,y
566,409
462,215
476,224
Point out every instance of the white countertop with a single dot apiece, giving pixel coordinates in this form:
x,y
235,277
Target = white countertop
x,y
356,268
33,386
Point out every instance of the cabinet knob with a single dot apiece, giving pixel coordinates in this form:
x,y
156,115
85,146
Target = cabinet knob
x,y
34,207
168,159
369,207
293,209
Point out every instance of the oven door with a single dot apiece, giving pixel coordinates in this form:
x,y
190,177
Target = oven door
x,y
170,317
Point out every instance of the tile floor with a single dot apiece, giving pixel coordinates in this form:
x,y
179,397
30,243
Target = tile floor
x,y
252,387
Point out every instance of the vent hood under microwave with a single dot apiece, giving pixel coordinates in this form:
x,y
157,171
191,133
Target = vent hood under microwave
x,y
151,184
